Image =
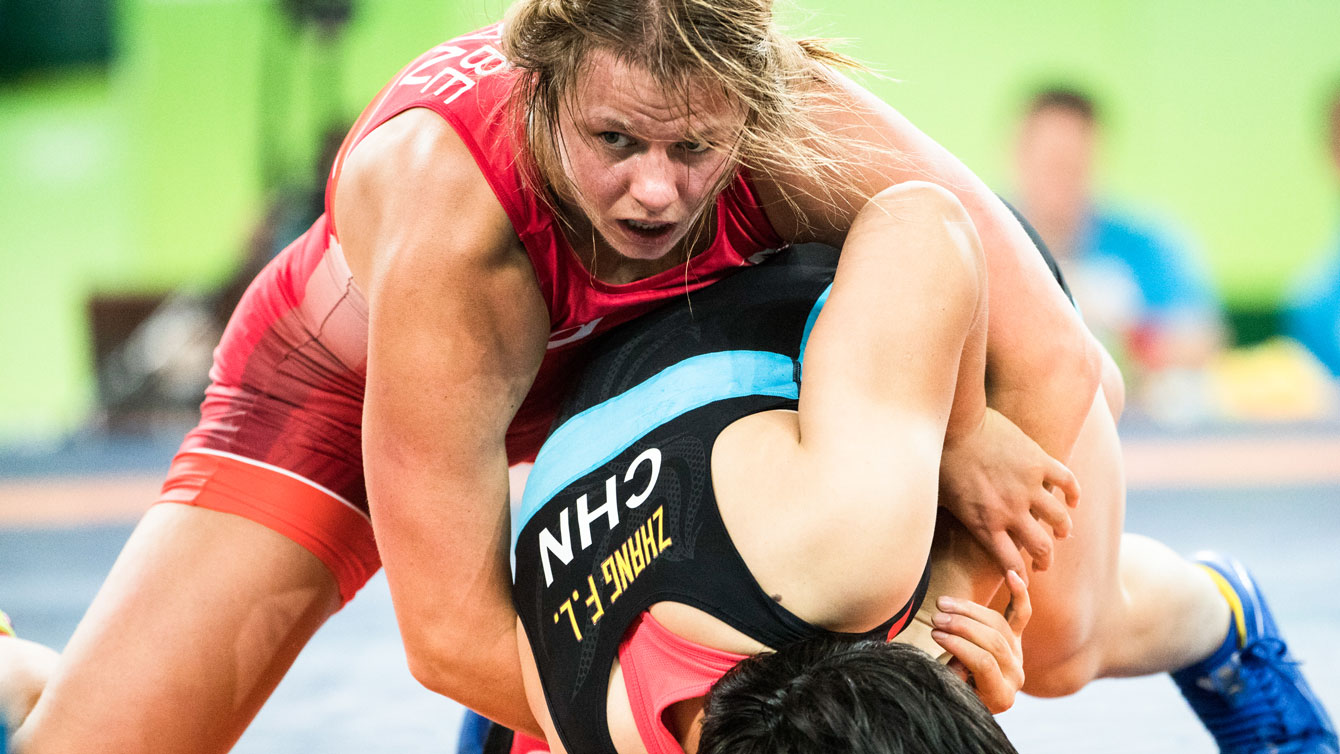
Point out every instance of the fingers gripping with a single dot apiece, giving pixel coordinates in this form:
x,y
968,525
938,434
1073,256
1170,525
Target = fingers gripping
x,y
1005,551
1048,509
1037,540
985,644
1020,609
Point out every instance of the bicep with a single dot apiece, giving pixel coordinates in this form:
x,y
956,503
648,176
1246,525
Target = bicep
x,y
456,323
884,355
880,373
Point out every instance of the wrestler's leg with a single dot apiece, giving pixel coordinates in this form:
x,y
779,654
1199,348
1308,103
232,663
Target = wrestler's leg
x,y
1113,605
1110,605
200,617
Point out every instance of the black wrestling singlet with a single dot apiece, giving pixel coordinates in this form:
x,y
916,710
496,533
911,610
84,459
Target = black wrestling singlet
x,y
619,511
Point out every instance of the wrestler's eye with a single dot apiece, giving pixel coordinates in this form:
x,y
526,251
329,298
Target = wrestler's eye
x,y
694,147
615,139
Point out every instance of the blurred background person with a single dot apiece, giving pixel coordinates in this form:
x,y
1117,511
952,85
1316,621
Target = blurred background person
x,y
1142,289
1312,311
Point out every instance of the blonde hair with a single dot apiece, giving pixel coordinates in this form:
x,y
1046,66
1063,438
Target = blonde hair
x,y
733,45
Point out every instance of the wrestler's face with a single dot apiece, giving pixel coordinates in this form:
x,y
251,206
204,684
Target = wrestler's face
x,y
643,162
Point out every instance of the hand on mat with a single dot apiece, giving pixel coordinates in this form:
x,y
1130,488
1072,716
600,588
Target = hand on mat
x,y
1004,488
986,646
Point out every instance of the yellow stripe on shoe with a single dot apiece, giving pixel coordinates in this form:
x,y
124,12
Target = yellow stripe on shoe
x,y
1234,602
6,628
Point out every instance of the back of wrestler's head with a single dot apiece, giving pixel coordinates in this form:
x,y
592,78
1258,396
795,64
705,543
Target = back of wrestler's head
x,y
832,695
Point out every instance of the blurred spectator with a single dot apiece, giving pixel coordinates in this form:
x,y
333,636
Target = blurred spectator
x,y
1312,313
1140,287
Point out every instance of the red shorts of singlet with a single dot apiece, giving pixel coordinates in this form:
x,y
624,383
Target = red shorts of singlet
x,y
280,435
279,440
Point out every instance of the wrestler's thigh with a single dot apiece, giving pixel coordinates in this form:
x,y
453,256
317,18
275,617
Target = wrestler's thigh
x,y
200,617
1075,598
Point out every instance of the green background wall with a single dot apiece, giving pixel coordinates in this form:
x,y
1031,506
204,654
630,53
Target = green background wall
x,y
146,176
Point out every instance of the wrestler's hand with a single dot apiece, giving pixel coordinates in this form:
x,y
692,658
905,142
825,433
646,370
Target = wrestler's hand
x,y
988,653
1004,488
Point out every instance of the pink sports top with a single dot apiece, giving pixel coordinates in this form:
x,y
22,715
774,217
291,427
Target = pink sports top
x,y
661,668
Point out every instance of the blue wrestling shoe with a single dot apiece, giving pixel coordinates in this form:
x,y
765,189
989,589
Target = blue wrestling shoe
x,y
1250,693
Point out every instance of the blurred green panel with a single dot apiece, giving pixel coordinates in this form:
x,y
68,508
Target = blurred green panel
x,y
1224,134
189,86
149,176
64,217
1212,107
387,35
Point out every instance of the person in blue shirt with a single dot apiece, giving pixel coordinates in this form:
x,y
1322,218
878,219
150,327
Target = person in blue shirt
x,y
1146,294
1312,312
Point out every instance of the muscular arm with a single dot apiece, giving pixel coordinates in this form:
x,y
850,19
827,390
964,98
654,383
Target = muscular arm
x,y
457,328
1042,366
879,385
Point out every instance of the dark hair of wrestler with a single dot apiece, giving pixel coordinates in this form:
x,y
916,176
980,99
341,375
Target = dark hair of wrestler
x,y
836,696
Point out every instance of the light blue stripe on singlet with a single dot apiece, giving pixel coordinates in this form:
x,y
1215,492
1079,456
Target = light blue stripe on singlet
x,y
809,323
592,438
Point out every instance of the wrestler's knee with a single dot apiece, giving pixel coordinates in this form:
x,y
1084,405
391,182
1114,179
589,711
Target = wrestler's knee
x,y
1061,649
1052,674
1060,678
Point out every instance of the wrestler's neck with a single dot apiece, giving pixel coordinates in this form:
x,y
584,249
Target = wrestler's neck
x,y
606,264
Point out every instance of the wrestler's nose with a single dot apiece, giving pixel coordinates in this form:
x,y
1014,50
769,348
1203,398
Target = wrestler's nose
x,y
653,183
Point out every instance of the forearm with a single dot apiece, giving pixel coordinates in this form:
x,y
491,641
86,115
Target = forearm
x,y
452,594
481,670
436,474
970,398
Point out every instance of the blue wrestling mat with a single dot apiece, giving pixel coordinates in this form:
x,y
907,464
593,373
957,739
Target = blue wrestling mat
x,y
350,692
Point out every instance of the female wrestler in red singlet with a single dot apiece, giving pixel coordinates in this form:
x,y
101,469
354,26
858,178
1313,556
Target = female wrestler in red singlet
x,y
510,193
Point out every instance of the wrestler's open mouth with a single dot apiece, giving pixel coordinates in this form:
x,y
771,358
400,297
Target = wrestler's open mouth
x,y
647,230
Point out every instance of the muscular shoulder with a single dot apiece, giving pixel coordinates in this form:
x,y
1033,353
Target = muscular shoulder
x,y
412,189
869,147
